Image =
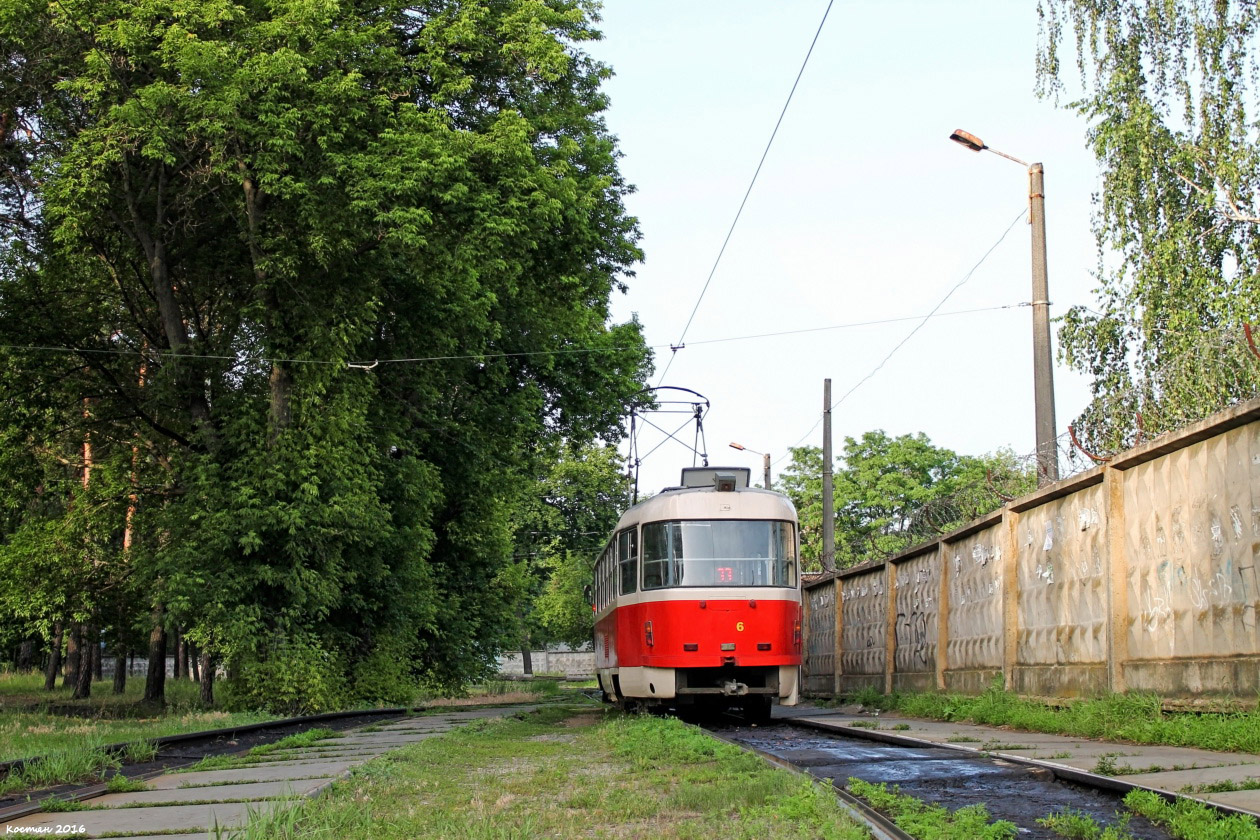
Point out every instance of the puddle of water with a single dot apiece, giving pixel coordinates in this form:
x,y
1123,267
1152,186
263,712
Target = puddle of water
x,y
944,777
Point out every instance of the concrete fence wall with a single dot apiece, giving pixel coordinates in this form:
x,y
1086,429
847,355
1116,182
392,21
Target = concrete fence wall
x,y
570,663
1136,575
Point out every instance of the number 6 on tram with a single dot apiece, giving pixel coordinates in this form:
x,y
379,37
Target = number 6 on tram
x,y
697,599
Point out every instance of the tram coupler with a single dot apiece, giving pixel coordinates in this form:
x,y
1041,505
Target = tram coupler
x,y
731,688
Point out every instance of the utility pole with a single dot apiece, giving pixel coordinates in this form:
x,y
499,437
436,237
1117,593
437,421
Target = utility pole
x,y
828,505
1043,370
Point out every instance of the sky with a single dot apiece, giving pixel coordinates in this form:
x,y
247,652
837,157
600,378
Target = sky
x,y
864,211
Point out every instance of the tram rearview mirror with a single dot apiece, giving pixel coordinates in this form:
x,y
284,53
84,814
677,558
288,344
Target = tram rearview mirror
x,y
587,594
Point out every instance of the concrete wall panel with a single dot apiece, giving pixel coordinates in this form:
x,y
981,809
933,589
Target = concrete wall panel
x,y
865,624
975,601
1061,585
918,590
820,637
1193,540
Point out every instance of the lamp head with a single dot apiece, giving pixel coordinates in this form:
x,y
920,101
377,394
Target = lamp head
x,y
966,138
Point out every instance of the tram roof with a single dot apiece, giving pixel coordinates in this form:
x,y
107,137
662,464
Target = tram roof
x,y
707,501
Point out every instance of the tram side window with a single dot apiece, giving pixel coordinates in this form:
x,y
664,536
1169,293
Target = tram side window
x,y
661,559
601,580
628,559
605,567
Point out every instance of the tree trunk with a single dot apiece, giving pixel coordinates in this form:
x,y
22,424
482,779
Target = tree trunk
x,y
207,679
26,654
120,672
98,666
83,685
70,677
527,661
54,659
155,681
194,668
280,417
181,651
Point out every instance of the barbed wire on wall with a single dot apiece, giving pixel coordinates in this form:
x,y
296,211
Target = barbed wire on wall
x,y
1209,371
1220,368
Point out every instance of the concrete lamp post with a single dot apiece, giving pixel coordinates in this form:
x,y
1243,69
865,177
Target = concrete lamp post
x,y
1043,370
765,459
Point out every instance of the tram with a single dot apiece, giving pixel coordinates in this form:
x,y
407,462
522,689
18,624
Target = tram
x,y
697,599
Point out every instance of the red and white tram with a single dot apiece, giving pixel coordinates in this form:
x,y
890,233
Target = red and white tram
x,y
697,598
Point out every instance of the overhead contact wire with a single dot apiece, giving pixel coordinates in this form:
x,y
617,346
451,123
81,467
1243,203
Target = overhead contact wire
x,y
151,354
910,335
682,338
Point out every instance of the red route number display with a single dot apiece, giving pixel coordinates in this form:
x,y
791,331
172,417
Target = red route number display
x,y
725,574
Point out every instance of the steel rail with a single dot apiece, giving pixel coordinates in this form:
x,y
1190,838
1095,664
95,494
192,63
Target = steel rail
x,y
1061,772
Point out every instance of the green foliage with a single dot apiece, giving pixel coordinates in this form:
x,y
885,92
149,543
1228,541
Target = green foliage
x,y
118,783
1169,93
1189,820
139,752
653,742
932,822
893,493
560,529
227,211
1075,825
810,804
383,678
59,768
301,739
298,676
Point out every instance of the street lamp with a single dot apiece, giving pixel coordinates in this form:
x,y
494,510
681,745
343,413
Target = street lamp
x,y
1043,371
765,459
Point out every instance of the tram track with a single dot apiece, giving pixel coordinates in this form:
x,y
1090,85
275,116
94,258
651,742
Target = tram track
x,y
180,751
880,826
1011,789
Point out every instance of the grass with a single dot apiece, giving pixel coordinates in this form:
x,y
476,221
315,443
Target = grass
x,y
53,805
566,771
924,820
301,739
29,728
1075,825
118,783
262,753
1135,718
58,768
1223,786
1189,820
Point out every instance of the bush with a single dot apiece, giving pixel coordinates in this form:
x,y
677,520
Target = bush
x,y
383,678
297,676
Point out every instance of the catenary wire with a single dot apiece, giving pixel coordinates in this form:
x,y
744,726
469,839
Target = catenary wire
x,y
682,338
1023,212
481,356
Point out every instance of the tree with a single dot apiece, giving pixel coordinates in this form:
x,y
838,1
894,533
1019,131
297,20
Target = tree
x,y
1172,112
233,209
893,493
562,528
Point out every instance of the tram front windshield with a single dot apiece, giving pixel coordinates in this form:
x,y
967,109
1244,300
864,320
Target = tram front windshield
x,y
718,552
